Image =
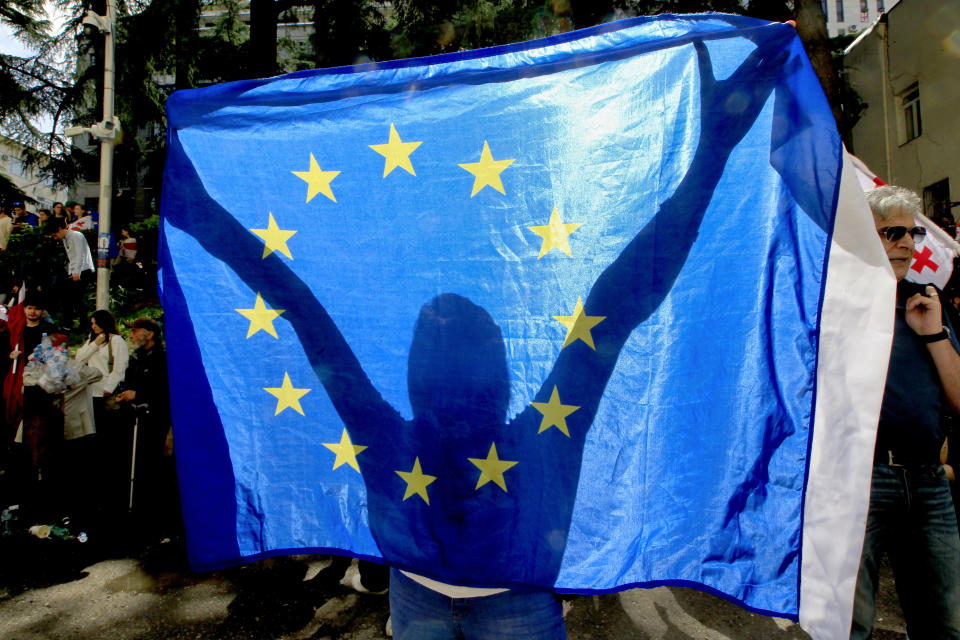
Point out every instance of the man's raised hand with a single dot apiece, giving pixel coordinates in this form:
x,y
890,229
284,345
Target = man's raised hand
x,y
923,312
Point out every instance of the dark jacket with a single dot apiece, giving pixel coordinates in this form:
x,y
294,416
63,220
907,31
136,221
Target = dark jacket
x,y
147,375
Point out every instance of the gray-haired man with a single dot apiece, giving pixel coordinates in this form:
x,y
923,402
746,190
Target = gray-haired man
x,y
911,515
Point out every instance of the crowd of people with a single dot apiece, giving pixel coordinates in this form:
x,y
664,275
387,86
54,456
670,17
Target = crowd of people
x,y
86,427
79,237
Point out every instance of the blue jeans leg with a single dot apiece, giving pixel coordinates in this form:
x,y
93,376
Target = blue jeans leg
x,y
419,613
911,518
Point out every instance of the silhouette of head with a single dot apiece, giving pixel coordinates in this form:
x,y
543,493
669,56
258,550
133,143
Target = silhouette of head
x,y
457,369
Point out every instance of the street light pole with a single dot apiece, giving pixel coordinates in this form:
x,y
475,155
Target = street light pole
x,y
106,131
106,164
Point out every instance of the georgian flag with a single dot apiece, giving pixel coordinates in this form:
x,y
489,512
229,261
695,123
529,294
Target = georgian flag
x,y
933,259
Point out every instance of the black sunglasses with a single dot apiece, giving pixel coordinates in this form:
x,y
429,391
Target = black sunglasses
x,y
892,234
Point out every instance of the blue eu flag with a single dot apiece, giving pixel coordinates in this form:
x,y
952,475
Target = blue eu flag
x,y
539,315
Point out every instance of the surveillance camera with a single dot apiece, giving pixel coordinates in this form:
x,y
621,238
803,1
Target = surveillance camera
x,y
93,19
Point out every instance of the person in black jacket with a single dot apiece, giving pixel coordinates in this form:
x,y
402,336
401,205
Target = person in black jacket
x,y
147,390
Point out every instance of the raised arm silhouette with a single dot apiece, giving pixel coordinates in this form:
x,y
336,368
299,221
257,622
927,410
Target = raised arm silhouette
x,y
458,380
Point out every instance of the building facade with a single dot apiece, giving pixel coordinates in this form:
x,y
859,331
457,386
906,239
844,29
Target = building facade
x,y
845,17
906,70
27,179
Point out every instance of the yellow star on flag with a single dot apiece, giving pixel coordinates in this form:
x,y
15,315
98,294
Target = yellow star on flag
x,y
554,413
261,318
346,451
487,171
318,180
579,324
288,396
274,238
417,481
555,234
397,152
492,468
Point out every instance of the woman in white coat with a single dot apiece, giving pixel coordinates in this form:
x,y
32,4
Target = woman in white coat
x,y
106,351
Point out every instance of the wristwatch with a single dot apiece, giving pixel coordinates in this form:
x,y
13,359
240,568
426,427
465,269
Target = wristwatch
x,y
936,337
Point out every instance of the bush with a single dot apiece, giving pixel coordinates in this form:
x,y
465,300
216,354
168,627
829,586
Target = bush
x,y
34,258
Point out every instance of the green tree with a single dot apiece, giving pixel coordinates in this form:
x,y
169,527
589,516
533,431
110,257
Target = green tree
x,y
424,27
347,32
22,77
223,54
37,90
812,29
159,50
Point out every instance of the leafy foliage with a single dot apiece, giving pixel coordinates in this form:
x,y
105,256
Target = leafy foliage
x,y
347,32
40,91
160,49
31,255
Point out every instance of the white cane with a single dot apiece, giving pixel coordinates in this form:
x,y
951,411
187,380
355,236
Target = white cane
x,y
133,457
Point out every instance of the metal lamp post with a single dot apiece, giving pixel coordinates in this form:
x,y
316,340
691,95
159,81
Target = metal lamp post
x,y
106,131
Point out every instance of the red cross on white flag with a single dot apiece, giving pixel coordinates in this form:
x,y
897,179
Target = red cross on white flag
x,y
933,260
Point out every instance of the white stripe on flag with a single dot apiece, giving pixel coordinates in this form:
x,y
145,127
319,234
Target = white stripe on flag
x,y
856,330
868,179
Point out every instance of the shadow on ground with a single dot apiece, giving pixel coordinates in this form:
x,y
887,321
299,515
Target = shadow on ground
x,y
54,589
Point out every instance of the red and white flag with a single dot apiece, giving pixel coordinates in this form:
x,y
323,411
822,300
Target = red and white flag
x,y
933,260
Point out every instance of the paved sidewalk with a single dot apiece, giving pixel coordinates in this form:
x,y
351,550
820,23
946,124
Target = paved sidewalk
x,y
57,590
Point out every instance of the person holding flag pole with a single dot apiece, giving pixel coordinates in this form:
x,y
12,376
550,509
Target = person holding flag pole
x,y
911,515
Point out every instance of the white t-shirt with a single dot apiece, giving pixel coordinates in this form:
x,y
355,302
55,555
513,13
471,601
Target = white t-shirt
x,y
452,590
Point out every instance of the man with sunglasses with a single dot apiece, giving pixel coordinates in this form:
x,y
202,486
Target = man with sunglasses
x,y
911,515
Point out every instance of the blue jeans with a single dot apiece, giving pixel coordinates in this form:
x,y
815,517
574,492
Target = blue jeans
x,y
912,519
419,613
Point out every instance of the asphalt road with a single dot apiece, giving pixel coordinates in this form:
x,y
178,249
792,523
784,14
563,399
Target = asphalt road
x,y
64,590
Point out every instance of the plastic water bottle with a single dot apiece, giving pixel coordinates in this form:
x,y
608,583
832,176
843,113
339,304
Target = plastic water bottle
x,y
47,347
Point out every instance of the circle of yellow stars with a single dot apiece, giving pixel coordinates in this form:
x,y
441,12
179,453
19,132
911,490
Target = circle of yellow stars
x,y
554,235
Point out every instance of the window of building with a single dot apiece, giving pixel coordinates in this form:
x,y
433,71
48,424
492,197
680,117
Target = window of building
x,y
912,123
864,6
17,168
879,6
936,205
839,10
823,5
